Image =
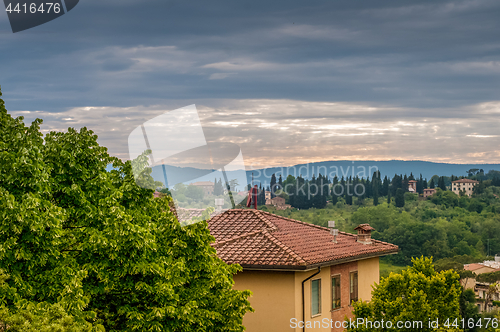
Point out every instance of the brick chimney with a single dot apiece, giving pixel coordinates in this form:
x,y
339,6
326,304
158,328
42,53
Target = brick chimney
x,y
364,233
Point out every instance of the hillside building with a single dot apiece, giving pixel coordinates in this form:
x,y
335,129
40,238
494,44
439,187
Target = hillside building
x,y
207,186
465,185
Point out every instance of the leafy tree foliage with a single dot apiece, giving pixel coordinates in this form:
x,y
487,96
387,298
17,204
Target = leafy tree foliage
x,y
194,192
469,309
446,198
419,293
41,318
97,245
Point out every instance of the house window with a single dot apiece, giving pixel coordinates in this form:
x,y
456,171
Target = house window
x,y
354,286
315,297
335,292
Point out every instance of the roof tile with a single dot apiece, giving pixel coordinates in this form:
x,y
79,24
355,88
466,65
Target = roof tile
x,y
251,237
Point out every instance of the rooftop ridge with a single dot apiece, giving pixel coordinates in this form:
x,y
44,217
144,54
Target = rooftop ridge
x,y
321,227
297,221
465,180
267,222
219,243
285,248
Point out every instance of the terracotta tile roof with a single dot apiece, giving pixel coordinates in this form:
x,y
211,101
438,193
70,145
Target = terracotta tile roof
x,y
473,266
258,239
465,181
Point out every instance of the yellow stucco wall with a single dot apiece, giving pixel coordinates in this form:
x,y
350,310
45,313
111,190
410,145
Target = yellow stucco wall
x,y
368,274
485,269
277,296
273,299
325,298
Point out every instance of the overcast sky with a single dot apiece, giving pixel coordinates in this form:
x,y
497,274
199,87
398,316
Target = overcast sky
x,y
289,81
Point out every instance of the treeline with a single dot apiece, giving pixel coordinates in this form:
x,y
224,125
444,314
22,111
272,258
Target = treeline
x,y
302,193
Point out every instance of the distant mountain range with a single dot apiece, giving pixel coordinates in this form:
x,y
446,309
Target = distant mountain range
x,y
331,168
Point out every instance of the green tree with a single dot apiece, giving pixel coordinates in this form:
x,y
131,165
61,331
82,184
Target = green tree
x,y
102,247
385,186
42,318
375,189
273,186
219,187
194,192
468,308
442,183
417,294
399,199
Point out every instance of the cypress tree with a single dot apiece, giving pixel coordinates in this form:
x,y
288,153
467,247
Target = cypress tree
x,y
420,185
399,199
369,187
218,190
348,191
405,183
273,185
441,183
385,186
259,195
375,192
335,199
322,191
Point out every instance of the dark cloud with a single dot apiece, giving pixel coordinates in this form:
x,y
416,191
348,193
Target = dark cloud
x,y
429,60
424,53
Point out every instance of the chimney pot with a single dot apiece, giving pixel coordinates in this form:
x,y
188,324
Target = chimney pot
x,y
364,233
333,231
